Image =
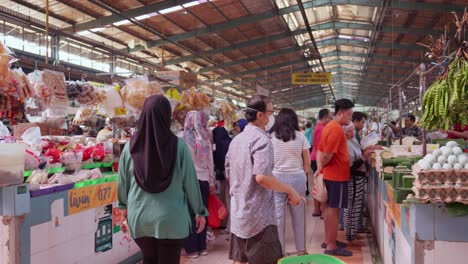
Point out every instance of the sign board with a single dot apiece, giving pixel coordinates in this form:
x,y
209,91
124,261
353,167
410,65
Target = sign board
x,y
311,78
93,196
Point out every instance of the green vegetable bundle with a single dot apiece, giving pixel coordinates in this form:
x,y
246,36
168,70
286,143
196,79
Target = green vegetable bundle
x,y
446,101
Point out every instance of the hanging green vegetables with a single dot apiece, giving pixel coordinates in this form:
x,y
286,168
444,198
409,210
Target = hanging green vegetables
x,y
446,101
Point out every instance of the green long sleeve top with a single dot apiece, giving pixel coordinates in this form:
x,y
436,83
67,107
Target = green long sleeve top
x,y
163,215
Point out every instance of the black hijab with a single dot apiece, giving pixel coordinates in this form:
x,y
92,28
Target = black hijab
x,y
154,147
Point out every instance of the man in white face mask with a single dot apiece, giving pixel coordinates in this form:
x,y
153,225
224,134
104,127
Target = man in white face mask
x,y
249,168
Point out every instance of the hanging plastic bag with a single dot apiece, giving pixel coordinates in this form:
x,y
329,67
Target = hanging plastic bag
x,y
217,211
319,191
136,91
113,103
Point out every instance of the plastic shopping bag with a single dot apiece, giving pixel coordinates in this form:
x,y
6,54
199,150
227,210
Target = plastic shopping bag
x,y
319,191
217,211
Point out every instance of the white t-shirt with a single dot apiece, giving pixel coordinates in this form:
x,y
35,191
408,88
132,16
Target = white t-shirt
x,y
288,155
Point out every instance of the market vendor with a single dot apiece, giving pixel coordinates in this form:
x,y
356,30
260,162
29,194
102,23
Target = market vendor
x,y
410,129
104,133
75,130
458,132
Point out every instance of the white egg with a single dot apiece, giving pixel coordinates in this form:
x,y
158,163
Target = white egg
x,y
447,151
452,159
451,144
457,166
430,158
466,166
424,164
447,166
457,151
437,153
463,159
436,166
442,159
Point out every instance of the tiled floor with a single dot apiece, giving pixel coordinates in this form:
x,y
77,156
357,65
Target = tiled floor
x,y
219,248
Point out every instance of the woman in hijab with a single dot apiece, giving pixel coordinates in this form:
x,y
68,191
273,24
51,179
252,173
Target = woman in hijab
x,y
198,139
156,180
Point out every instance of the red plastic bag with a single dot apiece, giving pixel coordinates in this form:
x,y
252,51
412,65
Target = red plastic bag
x,y
54,154
217,211
98,152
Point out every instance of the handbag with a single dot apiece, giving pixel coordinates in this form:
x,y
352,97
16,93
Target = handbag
x,y
319,191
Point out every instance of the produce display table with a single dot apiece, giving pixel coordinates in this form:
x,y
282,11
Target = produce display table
x,y
414,232
78,225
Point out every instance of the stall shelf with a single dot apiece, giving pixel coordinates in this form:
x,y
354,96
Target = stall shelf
x,y
412,232
78,225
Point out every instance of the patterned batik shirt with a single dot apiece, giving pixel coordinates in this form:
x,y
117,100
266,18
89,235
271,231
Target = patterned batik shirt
x,y
413,131
252,206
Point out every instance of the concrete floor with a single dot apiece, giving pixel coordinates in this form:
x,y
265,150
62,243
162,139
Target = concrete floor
x,y
218,249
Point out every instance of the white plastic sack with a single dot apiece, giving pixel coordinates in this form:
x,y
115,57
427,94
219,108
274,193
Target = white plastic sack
x,y
32,136
4,132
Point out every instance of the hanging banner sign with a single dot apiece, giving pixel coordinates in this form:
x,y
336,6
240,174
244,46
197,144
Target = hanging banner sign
x,y
93,196
311,78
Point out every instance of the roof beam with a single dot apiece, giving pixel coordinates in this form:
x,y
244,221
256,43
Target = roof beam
x,y
279,82
351,62
254,58
365,44
296,49
295,8
326,25
132,13
266,68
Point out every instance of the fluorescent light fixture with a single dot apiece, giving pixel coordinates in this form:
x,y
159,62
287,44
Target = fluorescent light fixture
x,y
83,33
171,9
120,23
190,4
142,17
97,29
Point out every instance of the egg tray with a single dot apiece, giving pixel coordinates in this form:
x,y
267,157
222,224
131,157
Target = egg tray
x,y
447,194
442,176
443,193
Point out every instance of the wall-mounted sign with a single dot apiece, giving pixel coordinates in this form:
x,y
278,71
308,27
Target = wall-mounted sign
x,y
311,78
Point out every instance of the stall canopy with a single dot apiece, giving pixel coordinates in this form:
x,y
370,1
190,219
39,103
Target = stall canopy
x,y
241,46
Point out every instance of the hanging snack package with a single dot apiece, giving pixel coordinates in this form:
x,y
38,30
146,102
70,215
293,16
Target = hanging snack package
x,y
35,110
4,66
90,95
136,91
58,108
113,104
19,81
84,115
195,100
73,90
56,83
40,89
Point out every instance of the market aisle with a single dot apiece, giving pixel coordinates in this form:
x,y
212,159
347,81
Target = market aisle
x,y
219,248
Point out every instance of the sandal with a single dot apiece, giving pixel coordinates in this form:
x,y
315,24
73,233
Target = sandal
x,y
317,214
338,244
339,251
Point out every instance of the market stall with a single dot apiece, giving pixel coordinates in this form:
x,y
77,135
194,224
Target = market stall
x,y
418,194
59,193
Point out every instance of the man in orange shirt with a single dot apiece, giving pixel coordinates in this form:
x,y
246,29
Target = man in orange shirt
x,y
333,162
